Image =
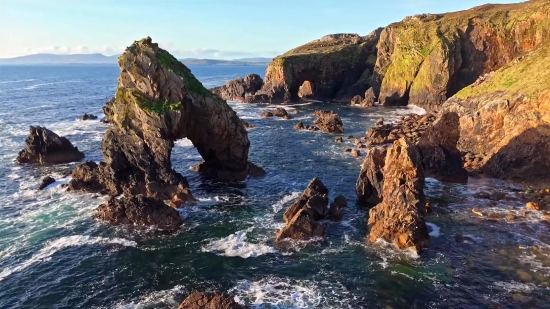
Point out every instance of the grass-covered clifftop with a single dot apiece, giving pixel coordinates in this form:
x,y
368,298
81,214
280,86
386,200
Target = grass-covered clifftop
x,y
425,59
332,65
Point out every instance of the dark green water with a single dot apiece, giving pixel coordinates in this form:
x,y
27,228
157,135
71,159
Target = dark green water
x,y
53,255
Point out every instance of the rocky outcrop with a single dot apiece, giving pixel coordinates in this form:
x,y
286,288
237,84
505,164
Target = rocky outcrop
x,y
44,147
200,300
328,121
302,216
425,59
46,181
88,117
440,157
247,125
336,67
138,210
370,98
158,101
506,119
238,89
335,212
371,179
399,218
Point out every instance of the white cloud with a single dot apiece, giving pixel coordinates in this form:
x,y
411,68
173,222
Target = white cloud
x,y
80,49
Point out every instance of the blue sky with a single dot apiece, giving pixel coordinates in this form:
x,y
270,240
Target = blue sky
x,y
222,29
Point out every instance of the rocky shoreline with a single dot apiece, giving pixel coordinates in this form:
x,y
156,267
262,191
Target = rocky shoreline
x,y
488,113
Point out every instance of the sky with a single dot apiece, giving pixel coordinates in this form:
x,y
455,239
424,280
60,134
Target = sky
x,y
216,29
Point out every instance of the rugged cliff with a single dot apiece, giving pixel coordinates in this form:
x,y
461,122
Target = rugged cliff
x,y
158,101
505,117
426,59
337,66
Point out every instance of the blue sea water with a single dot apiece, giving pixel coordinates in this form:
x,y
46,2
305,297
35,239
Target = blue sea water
x,y
54,255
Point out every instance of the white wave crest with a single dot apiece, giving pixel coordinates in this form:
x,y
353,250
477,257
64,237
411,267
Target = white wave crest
x,y
287,198
435,230
64,242
235,245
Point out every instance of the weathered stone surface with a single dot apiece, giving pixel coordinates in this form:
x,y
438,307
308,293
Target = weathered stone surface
x,y
338,68
138,210
239,88
328,121
280,112
336,209
299,126
46,181
440,157
266,114
370,98
199,300
371,179
301,227
355,153
505,120
302,215
44,147
314,200
399,218
356,100
425,59
158,101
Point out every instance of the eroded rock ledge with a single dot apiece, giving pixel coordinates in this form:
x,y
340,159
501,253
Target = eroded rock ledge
x,y
200,300
44,147
158,101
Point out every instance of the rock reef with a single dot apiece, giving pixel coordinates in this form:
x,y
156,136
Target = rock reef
x,y
200,300
44,147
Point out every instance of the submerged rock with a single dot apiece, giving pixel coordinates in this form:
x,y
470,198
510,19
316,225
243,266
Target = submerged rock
x,y
266,114
158,101
138,210
328,121
399,218
200,300
299,126
46,181
371,179
44,147
247,125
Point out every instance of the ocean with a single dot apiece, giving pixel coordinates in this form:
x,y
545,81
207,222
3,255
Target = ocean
x,y
54,255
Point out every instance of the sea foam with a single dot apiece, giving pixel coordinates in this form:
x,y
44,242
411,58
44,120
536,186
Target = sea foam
x,y
236,245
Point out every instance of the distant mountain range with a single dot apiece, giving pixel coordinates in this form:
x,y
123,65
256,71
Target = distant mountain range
x,y
53,59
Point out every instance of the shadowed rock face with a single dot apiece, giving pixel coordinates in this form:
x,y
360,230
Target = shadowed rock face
x,y
44,147
158,101
426,59
199,300
399,218
371,178
237,89
440,157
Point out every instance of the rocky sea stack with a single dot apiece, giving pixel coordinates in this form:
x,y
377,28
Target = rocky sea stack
x,y
158,101
44,147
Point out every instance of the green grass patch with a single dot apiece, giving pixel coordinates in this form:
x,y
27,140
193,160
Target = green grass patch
x,y
170,63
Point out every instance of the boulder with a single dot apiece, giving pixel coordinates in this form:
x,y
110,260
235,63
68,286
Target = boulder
x,y
302,216
46,181
200,300
44,147
328,121
355,153
371,179
335,211
356,100
440,157
280,112
138,210
239,88
158,101
370,98
299,126
306,90
314,200
339,140
88,117
301,227
266,114
400,217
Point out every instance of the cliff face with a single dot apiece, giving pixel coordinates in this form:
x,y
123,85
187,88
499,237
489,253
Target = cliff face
x,y
158,101
505,116
336,66
426,59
